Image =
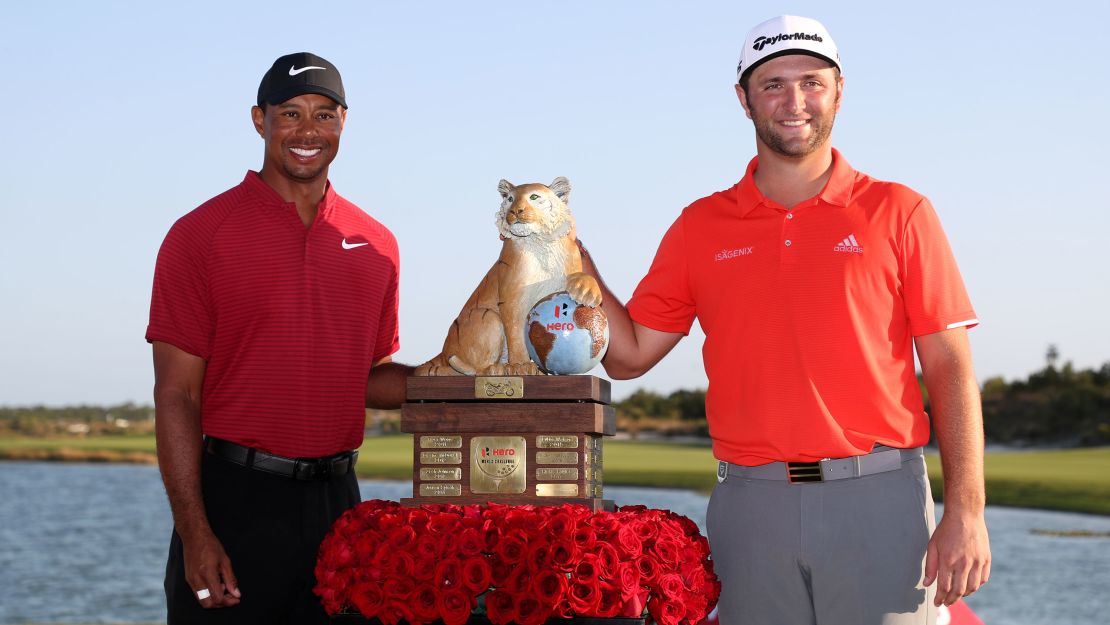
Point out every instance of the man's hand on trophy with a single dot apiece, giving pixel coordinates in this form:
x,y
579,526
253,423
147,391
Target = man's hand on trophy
x,y
584,289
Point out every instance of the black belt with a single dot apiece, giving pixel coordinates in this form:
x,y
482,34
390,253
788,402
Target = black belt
x,y
295,468
880,460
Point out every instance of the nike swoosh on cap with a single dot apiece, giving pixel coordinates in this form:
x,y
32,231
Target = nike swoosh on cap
x,y
351,246
293,71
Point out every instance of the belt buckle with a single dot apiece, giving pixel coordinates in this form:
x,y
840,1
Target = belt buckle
x,y
804,472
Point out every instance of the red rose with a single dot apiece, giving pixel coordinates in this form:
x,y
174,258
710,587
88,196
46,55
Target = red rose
x,y
417,519
424,569
586,569
608,560
395,611
529,611
367,598
645,531
401,564
637,509
609,600
365,546
539,556
604,523
561,525
442,523
426,546
693,576
671,586
649,569
549,587
564,554
476,573
668,551
400,588
696,607
629,577
471,542
454,606
628,543
520,581
511,548
585,537
491,534
424,604
583,598
500,573
448,574
668,612
500,607
400,537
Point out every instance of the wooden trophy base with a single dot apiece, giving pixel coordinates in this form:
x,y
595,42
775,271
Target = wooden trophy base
x,y
511,440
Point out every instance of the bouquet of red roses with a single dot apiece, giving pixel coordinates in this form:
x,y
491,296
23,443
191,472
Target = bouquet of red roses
x,y
520,564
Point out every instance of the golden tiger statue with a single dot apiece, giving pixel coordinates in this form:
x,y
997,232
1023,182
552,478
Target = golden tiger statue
x,y
539,256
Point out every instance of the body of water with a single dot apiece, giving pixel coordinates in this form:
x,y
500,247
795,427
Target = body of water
x,y
86,543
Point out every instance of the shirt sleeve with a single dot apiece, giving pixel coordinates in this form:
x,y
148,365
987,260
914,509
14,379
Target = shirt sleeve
x,y
388,341
934,293
180,306
663,300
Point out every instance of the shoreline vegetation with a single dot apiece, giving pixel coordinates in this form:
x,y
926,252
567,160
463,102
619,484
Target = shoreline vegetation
x,y
1070,480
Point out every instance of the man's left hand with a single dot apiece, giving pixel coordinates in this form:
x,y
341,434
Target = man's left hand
x,y
958,558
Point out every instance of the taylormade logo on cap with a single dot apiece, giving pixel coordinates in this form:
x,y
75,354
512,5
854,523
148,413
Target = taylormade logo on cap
x,y
782,35
759,43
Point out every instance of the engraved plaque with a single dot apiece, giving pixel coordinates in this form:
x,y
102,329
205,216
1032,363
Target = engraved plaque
x,y
556,441
557,490
498,464
503,388
441,457
560,473
597,491
454,473
556,457
441,442
440,490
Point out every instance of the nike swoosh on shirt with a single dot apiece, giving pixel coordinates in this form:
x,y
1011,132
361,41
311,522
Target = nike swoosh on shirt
x,y
351,246
293,71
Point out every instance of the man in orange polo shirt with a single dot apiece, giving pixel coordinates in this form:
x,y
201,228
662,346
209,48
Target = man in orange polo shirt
x,y
814,283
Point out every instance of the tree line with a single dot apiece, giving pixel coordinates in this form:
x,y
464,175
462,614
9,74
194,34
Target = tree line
x,y
1057,406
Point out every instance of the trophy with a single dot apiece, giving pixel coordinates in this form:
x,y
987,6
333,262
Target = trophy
x,y
489,421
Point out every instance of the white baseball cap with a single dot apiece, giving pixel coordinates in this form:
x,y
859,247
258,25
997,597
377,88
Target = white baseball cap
x,y
786,34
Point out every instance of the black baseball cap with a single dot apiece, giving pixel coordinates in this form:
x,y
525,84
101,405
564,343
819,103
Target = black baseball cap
x,y
300,73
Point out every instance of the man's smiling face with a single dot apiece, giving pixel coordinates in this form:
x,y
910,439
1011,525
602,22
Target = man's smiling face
x,y
792,100
301,134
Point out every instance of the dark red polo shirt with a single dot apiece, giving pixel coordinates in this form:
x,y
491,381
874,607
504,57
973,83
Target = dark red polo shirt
x,y
288,319
809,313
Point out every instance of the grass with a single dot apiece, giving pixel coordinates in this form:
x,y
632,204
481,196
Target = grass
x,y
1076,480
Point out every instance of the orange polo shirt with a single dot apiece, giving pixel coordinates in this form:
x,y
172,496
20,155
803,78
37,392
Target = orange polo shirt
x,y
809,313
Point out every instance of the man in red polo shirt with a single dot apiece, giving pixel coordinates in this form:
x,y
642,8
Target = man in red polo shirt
x,y
273,320
814,283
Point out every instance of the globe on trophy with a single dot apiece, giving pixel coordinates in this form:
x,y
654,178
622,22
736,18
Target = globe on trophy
x,y
565,337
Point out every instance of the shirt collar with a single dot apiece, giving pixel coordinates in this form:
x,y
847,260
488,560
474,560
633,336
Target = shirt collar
x,y
837,191
258,187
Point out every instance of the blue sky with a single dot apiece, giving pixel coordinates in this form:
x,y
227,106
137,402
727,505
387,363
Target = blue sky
x,y
121,117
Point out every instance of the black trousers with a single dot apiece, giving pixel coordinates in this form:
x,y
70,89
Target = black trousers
x,y
271,528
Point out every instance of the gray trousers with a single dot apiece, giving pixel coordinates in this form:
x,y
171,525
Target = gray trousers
x,y
847,552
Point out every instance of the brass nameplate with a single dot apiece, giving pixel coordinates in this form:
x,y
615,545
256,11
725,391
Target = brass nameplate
x,y
556,441
498,464
441,442
556,457
560,473
440,490
556,490
597,491
454,473
502,388
441,457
